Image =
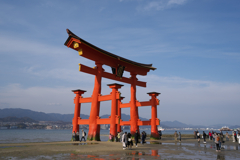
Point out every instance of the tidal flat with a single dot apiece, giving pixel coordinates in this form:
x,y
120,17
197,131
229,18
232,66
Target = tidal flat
x,y
157,149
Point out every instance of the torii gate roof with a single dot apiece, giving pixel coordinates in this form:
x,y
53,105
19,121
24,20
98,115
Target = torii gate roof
x,y
99,55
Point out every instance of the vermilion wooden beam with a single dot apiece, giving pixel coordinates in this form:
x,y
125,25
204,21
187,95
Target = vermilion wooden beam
x,y
87,69
85,100
103,121
93,71
105,97
125,105
140,104
83,121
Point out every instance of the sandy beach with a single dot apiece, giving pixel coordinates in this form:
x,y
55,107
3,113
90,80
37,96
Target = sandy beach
x,y
158,149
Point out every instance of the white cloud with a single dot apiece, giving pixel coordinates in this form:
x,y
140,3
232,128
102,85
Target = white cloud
x,y
162,4
178,2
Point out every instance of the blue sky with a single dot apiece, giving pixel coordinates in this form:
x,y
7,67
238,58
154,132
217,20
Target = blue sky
x,y
194,44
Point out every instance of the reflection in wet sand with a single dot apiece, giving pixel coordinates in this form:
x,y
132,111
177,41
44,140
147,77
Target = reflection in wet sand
x,y
136,156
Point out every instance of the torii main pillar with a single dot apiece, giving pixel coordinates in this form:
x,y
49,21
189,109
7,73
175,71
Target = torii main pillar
x,y
94,128
133,108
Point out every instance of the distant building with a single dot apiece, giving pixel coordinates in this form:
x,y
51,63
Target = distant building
x,y
49,127
13,127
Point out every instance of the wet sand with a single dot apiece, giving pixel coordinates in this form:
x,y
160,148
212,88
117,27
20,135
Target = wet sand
x,y
159,149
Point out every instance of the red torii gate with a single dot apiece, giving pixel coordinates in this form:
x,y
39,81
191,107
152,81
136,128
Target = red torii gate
x,y
118,64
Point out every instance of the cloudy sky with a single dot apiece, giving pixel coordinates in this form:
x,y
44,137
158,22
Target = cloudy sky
x,y
194,44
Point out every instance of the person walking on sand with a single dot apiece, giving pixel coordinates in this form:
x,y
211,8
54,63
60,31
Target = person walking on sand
x,y
130,143
195,134
77,136
124,140
238,136
198,137
233,136
210,135
143,137
204,137
121,134
83,136
118,136
73,136
110,137
136,138
175,136
160,134
215,136
180,137
221,141
227,136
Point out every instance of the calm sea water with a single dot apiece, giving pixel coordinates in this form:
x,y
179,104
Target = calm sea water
x,y
28,135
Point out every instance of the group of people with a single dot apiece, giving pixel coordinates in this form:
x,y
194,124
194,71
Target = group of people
x,y
127,139
218,138
75,136
177,136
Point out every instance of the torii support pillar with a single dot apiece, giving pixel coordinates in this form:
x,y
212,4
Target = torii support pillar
x,y
154,131
119,114
77,109
114,109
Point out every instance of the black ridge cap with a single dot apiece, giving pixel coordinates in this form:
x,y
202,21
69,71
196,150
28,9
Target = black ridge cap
x,y
153,93
114,84
70,34
78,90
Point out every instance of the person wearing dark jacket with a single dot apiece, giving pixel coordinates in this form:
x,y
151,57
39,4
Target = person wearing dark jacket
x,y
130,143
143,137
180,137
235,136
136,138
204,137
160,134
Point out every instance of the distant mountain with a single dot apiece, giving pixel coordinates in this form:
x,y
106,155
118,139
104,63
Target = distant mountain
x,y
174,124
177,124
41,116
15,119
38,116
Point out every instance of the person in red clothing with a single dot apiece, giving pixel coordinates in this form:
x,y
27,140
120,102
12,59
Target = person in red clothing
x,y
235,136
210,135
